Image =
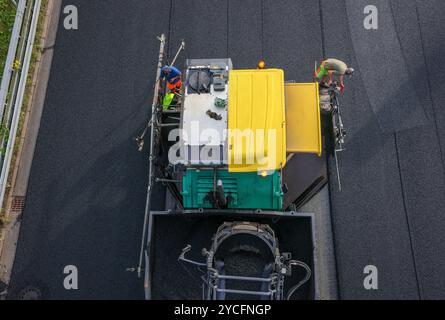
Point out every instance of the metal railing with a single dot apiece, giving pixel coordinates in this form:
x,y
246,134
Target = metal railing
x,y
13,84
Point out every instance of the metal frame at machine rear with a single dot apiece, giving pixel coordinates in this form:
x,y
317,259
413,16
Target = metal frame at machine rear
x,y
240,215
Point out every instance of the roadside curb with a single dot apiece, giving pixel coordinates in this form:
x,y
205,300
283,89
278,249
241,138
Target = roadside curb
x,y
28,139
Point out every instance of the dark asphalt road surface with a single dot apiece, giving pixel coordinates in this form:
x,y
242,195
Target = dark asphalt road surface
x,y
86,195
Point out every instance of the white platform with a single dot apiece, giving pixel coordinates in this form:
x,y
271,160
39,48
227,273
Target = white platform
x,y
196,122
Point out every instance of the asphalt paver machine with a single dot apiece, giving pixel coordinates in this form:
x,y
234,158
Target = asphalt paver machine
x,y
221,148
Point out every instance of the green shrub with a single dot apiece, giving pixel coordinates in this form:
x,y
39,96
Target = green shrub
x,y
7,16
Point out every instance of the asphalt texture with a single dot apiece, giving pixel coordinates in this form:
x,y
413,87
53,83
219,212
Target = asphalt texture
x,y
86,195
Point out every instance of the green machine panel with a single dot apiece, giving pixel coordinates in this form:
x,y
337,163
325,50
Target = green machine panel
x,y
244,190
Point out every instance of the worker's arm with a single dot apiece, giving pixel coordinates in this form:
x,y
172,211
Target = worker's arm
x,y
342,86
173,80
341,78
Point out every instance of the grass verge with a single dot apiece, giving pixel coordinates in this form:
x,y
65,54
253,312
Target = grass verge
x,y
26,103
7,16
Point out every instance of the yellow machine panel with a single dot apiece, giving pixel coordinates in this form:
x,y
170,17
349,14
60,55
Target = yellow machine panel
x,y
303,118
256,120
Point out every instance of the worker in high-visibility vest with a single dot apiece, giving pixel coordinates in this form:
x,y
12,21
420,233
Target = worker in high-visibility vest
x,y
173,77
330,67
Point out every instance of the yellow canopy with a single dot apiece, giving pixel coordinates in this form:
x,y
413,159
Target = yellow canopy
x,y
303,118
256,120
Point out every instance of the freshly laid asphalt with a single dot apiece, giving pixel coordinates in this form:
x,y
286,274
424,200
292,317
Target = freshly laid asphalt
x,y
86,194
